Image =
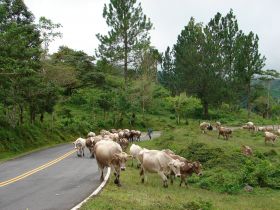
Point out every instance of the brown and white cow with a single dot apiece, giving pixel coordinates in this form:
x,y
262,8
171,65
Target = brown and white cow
x,y
155,161
187,169
110,154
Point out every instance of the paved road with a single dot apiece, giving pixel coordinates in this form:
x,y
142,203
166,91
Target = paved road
x,y
51,179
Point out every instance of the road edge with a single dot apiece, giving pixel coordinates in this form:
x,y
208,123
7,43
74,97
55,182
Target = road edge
x,y
95,192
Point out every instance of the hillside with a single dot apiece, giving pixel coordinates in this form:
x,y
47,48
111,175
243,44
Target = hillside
x,y
225,173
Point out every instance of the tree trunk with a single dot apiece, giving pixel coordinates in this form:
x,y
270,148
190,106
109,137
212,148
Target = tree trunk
x,y
125,58
248,100
42,117
205,110
20,115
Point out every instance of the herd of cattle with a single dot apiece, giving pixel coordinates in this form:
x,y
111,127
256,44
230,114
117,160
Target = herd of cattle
x,y
108,150
270,133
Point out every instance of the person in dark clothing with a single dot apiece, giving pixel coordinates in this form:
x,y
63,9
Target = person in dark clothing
x,y
149,133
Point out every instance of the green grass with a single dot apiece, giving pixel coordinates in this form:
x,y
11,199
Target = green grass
x,y
220,187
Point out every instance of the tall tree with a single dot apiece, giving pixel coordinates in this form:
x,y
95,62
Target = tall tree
x,y
129,33
167,76
197,64
49,32
19,51
249,63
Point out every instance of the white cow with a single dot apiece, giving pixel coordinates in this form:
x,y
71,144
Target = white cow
x,y
80,145
134,152
110,154
155,161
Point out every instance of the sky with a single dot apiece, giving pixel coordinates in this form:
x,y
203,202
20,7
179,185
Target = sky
x,y
82,20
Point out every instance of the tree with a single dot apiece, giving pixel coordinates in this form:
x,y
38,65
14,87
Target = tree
x,y
19,52
129,33
167,76
197,64
49,33
249,63
183,106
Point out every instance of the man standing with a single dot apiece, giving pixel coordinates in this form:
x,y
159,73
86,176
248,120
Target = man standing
x,y
149,133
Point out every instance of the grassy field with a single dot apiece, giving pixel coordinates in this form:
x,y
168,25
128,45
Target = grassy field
x,y
225,171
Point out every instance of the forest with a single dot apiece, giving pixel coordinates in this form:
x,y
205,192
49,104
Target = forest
x,y
214,71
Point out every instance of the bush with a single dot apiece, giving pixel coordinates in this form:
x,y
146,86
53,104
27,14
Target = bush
x,y
198,205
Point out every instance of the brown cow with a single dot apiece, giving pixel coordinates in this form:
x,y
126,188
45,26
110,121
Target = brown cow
x,y
187,169
225,132
110,154
246,150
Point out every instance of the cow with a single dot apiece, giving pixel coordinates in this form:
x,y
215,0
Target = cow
x,y
155,161
110,154
225,132
187,169
205,126
269,137
246,150
80,145
134,151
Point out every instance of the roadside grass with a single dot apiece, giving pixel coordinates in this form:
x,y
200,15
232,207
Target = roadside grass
x,y
220,187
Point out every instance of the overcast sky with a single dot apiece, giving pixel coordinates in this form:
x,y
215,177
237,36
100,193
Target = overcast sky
x,y
82,19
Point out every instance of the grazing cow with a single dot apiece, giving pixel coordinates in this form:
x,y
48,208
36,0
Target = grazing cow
x,y
250,126
110,154
187,170
134,151
205,126
80,145
269,137
225,132
155,161
246,150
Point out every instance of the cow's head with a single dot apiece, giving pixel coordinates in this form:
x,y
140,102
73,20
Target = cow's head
x,y
210,127
78,147
120,159
197,168
175,166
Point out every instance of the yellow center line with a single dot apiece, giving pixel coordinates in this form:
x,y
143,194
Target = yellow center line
x,y
35,170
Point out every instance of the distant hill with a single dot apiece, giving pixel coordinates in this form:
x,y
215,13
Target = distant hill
x,y
275,88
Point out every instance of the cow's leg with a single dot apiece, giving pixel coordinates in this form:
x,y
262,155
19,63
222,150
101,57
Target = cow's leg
x,y
102,176
142,175
132,161
165,184
117,176
83,152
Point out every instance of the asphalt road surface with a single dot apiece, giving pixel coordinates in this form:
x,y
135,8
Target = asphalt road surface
x,y
51,179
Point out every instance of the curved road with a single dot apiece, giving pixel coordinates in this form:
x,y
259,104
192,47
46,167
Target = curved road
x,y
51,179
